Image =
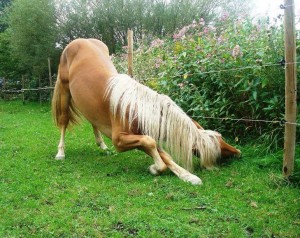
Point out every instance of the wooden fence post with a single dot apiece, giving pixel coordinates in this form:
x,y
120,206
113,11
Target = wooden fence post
x,y
130,52
290,89
4,89
50,78
40,92
23,87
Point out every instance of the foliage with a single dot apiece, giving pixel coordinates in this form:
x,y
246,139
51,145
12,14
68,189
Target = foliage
x,y
8,65
230,70
32,40
3,5
109,20
41,29
91,194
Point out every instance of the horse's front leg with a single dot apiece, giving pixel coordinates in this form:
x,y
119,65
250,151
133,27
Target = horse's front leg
x,y
179,171
99,139
124,141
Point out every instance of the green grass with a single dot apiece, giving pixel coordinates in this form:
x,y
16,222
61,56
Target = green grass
x,y
92,194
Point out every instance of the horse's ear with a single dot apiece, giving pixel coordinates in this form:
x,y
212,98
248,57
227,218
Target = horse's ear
x,y
197,125
228,150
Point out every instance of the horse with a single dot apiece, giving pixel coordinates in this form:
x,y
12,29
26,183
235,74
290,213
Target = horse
x,y
132,115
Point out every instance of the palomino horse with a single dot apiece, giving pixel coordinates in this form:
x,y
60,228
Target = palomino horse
x,y
129,113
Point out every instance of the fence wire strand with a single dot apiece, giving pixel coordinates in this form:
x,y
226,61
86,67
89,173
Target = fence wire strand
x,y
234,69
280,122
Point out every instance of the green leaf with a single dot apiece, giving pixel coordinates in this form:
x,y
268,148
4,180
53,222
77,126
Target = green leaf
x,y
254,95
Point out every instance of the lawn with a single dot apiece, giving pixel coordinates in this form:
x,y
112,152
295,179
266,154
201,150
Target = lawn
x,y
107,194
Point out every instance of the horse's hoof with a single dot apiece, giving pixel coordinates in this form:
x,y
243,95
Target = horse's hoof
x,y
60,157
103,146
196,181
153,170
193,179
239,155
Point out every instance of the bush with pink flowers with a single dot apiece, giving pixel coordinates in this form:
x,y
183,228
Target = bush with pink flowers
x,y
227,70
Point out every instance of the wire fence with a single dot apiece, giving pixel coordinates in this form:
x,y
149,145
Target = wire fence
x,y
228,70
23,90
281,63
5,91
281,122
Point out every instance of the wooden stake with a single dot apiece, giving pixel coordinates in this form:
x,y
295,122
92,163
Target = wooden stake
x,y
4,88
23,87
50,77
290,89
40,92
130,52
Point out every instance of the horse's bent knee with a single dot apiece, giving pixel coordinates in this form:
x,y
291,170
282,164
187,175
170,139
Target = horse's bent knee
x,y
118,145
148,142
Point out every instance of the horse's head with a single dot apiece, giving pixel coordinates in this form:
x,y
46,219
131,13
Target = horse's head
x,y
227,150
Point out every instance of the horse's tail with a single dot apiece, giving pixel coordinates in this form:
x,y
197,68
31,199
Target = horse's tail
x,y
63,108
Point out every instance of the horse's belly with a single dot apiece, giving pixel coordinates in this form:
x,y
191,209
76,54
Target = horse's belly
x,y
96,118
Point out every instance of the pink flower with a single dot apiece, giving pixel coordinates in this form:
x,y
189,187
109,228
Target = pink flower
x,y
220,39
202,22
224,16
194,24
237,52
157,43
206,30
181,33
158,62
180,85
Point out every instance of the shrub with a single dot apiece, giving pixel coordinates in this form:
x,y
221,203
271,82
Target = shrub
x,y
229,70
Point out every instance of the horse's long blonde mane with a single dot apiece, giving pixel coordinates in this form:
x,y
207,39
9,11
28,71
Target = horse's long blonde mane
x,y
159,117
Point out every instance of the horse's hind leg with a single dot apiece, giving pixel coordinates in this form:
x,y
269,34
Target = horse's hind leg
x,y
61,146
63,119
99,139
